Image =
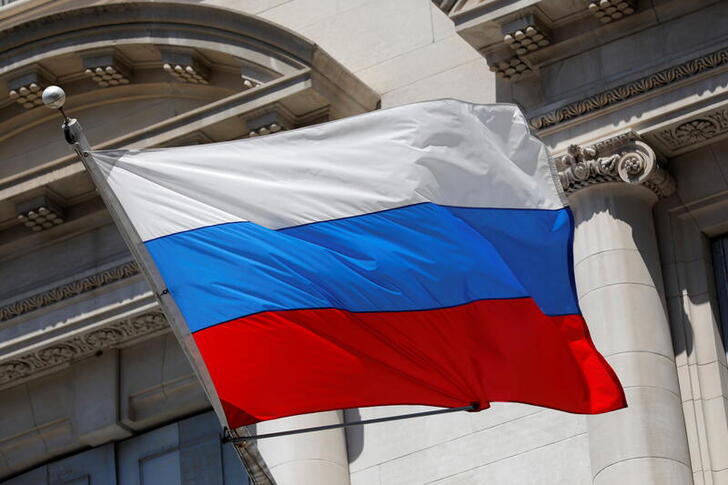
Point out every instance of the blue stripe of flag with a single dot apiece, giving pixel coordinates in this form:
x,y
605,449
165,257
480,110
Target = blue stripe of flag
x,y
417,257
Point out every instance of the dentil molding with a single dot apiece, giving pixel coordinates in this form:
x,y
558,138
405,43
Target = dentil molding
x,y
624,158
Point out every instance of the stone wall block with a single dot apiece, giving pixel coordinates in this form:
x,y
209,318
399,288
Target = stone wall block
x,y
694,439
644,429
647,470
95,391
699,174
620,320
549,465
607,267
489,446
701,324
366,476
619,215
378,443
716,413
157,383
645,369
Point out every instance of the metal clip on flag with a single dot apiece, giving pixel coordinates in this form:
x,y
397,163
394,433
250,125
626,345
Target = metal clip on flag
x,y
414,255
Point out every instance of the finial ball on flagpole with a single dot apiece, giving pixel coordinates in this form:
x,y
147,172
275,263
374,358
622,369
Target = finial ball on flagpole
x,y
54,97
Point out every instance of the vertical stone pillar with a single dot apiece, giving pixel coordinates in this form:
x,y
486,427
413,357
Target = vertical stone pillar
x,y
317,458
612,188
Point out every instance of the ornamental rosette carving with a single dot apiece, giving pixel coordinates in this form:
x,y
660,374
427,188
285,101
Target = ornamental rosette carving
x,y
104,338
79,346
148,322
695,131
57,354
625,159
15,369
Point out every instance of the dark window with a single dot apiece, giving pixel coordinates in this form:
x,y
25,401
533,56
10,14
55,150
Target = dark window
x,y
720,265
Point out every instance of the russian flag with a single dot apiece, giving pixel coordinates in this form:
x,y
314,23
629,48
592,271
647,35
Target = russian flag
x,y
414,255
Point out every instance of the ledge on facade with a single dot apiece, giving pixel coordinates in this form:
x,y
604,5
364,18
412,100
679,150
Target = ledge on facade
x,y
44,358
576,26
632,89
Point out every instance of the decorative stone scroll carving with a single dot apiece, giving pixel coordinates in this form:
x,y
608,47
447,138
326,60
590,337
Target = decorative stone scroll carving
x,y
632,89
81,345
74,288
621,159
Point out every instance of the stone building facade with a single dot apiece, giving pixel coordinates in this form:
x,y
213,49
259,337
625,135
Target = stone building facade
x,y
630,96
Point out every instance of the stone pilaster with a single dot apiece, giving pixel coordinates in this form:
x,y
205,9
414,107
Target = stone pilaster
x,y
612,187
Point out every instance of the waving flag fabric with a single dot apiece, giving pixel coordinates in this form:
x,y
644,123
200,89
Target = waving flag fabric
x,y
415,255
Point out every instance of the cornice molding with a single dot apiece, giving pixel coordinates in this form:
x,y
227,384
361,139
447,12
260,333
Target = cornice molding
x,y
81,345
69,290
631,89
624,158
224,22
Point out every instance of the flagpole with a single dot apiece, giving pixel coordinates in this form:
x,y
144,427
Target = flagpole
x,y
241,439
54,97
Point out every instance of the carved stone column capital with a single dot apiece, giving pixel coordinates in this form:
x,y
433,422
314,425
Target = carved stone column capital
x,y
624,158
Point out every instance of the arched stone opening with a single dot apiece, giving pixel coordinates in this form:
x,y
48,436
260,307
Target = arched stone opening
x,y
143,74
157,74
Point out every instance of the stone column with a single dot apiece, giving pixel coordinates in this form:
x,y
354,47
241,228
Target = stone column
x,y
612,187
317,458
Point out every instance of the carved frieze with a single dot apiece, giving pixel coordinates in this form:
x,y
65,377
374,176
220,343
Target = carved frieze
x,y
69,290
632,89
81,345
696,130
622,159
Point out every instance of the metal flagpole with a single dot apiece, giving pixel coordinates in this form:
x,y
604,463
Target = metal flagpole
x,y
242,439
54,97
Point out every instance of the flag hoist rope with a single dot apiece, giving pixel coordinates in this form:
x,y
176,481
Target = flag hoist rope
x,y
54,98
